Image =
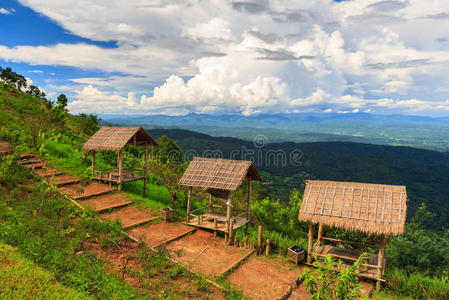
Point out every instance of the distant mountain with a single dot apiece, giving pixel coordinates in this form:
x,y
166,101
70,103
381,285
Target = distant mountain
x,y
424,172
416,131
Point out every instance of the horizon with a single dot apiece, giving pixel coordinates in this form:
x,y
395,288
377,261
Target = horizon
x,y
246,58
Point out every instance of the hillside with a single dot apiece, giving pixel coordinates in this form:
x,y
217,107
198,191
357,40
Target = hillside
x,y
424,172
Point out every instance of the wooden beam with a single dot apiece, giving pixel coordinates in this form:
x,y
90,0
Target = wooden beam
x,y
310,244
145,168
228,214
248,206
349,242
174,238
120,166
93,161
320,234
189,202
210,202
259,241
237,263
380,259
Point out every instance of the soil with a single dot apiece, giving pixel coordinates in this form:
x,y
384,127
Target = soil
x,y
213,261
77,191
107,201
62,179
267,278
153,234
130,215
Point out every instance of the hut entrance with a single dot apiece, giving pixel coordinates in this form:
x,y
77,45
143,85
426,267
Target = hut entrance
x,y
375,209
219,178
115,139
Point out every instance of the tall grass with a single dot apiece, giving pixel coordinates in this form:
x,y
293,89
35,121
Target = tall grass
x,y
417,285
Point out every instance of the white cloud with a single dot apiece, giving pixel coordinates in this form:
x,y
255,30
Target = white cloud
x,y
4,11
272,56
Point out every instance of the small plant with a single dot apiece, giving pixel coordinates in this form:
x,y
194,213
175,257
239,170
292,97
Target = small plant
x,y
329,280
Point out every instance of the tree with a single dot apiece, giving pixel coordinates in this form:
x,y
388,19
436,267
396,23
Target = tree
x,y
167,151
34,91
9,77
62,100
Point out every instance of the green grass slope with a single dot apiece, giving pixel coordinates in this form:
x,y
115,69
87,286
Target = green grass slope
x,y
22,279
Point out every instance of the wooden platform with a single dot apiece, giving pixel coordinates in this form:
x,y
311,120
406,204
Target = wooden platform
x,y
369,272
207,221
113,176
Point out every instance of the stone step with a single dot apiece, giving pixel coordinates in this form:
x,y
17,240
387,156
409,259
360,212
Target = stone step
x,y
130,216
77,191
62,179
107,201
47,172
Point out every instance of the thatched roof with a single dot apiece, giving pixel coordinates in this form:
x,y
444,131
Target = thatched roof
x,y
115,138
370,208
218,173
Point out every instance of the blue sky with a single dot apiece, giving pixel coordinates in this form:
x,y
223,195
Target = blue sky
x,y
177,57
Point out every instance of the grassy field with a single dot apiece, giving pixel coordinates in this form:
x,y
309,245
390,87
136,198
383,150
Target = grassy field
x,y
22,279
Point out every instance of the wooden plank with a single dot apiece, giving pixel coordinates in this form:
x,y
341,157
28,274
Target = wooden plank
x,y
310,243
174,238
349,242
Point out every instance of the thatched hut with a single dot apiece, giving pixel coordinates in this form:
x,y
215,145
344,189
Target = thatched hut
x,y
115,139
219,178
375,209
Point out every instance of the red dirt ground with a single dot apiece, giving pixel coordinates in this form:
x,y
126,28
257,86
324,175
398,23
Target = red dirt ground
x,y
106,201
214,260
47,172
130,215
92,189
62,179
266,278
154,234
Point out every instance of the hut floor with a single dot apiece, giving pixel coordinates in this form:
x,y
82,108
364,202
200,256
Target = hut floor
x,y
267,278
157,233
127,176
372,260
208,221
107,201
215,259
130,216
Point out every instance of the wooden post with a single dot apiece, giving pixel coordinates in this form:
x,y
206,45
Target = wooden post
x,y
320,234
248,206
215,226
210,202
380,259
120,165
310,246
189,202
259,241
145,180
231,231
93,161
228,209
267,250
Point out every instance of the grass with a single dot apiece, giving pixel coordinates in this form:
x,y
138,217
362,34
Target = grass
x,y
22,279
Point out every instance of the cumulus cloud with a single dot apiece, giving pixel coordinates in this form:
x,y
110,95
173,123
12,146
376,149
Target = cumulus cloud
x,y
250,56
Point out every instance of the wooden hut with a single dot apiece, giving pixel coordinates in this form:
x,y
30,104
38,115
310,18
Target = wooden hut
x,y
115,139
219,178
374,209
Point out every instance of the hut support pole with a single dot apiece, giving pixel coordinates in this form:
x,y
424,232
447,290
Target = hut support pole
x,y
320,234
228,214
310,246
93,161
210,202
248,206
145,169
380,261
120,165
189,202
